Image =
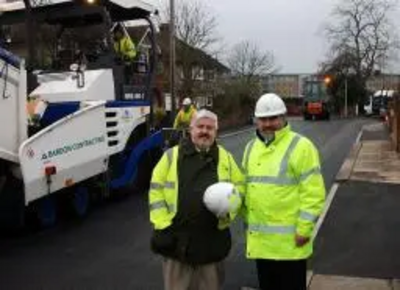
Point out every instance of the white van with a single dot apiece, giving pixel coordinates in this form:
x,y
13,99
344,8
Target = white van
x,y
378,102
368,106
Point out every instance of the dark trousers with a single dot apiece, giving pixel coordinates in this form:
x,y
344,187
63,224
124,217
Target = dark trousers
x,y
282,275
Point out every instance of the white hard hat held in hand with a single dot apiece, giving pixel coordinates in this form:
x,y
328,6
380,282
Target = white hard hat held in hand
x,y
222,198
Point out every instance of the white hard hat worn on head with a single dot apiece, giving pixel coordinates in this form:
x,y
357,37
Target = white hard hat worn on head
x,y
270,105
222,198
187,102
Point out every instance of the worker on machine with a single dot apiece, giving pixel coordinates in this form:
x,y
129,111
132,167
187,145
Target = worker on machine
x,y
123,44
125,50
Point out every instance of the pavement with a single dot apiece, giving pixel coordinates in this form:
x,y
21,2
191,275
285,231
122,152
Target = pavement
x,y
110,248
358,245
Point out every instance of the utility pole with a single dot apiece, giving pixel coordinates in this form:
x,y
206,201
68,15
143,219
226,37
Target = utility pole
x,y
345,96
29,26
172,56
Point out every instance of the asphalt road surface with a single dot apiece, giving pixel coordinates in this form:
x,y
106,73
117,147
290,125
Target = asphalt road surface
x,y
360,235
110,249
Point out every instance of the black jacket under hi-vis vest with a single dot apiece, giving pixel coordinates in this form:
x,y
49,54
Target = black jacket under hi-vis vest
x,y
194,237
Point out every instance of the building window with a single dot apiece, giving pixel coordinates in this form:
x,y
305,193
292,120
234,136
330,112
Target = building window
x,y
210,101
198,73
210,75
180,72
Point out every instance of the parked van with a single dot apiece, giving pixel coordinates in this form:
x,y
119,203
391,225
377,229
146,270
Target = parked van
x,y
378,102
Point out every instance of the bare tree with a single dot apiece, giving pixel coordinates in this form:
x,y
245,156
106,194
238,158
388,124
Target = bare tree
x,y
196,30
195,24
362,28
248,61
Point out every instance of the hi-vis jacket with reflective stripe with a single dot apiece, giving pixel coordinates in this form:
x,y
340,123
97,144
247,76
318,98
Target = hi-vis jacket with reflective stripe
x,y
284,195
183,119
125,48
163,195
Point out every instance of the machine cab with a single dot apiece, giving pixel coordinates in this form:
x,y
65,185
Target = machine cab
x,y
78,42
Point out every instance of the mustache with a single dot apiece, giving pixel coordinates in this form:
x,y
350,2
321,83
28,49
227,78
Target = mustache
x,y
204,135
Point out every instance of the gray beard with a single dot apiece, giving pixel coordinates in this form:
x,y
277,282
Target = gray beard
x,y
268,138
203,148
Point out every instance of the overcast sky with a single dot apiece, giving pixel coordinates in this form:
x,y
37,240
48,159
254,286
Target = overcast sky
x,y
289,28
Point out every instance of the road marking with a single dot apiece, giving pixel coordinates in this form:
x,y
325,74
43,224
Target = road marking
x,y
236,133
329,200
359,136
331,195
332,191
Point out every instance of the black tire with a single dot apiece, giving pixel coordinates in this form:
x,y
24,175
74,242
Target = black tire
x,y
45,212
77,201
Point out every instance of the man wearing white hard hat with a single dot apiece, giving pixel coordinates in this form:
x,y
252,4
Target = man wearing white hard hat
x,y
194,196
284,196
185,115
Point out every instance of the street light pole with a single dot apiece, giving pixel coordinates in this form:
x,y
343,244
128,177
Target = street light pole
x,y
172,56
29,34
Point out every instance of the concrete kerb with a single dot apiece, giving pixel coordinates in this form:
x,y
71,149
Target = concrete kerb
x,y
347,167
342,176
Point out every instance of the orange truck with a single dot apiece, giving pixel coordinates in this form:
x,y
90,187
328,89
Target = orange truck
x,y
316,103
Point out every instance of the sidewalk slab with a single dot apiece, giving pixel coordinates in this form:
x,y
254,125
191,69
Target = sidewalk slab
x,y
377,162
373,159
321,282
376,131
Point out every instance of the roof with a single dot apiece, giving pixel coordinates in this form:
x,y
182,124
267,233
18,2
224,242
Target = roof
x,y
68,12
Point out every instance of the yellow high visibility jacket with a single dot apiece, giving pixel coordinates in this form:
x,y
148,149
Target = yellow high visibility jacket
x,y
182,120
284,195
125,48
163,194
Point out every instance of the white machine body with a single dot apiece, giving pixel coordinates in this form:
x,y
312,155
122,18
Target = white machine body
x,y
75,147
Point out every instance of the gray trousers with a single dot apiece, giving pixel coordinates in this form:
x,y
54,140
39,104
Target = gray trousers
x,y
179,276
